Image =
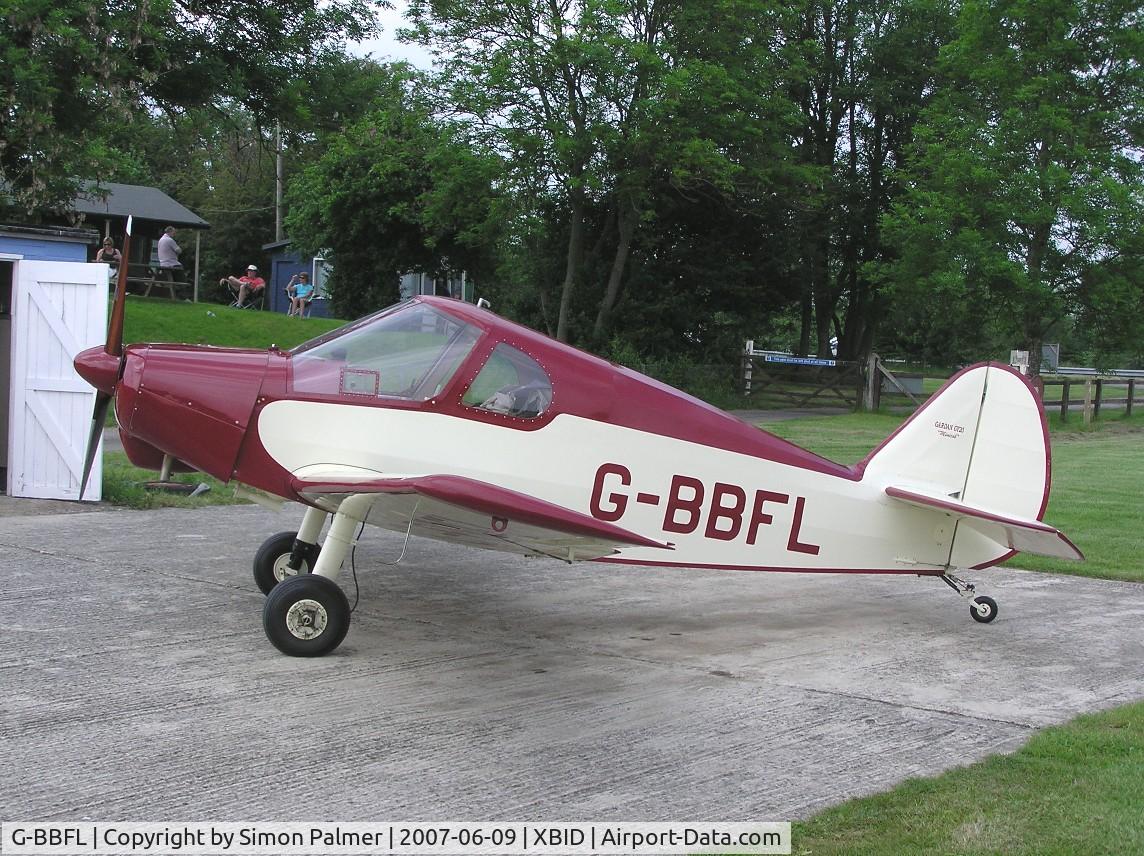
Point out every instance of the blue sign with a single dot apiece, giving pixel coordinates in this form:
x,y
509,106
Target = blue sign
x,y
798,361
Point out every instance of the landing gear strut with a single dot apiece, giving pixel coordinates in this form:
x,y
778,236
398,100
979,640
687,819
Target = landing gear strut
x,y
981,607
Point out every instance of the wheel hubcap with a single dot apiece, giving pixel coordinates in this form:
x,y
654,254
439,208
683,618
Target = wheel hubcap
x,y
306,619
282,568
983,610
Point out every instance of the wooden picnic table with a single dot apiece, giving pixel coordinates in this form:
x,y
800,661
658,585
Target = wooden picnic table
x,y
145,278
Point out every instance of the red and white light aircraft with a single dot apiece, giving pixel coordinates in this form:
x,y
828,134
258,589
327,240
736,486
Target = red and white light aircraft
x,y
438,418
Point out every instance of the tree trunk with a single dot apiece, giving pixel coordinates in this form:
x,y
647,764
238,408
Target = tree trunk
x,y
806,316
575,247
823,299
1035,344
1034,316
628,217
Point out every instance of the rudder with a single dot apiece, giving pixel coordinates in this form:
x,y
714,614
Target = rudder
x,y
980,445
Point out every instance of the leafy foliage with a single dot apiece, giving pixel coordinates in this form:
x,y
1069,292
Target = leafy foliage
x,y
944,179
73,70
395,191
1025,198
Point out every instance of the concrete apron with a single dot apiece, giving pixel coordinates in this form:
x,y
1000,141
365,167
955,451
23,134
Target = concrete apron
x,y
138,684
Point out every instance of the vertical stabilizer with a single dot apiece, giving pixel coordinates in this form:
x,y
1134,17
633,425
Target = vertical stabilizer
x,y
981,441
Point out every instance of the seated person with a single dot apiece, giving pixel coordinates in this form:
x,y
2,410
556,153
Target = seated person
x,y
111,256
300,291
527,400
240,287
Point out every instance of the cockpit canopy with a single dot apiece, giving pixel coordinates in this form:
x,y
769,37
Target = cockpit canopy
x,y
412,351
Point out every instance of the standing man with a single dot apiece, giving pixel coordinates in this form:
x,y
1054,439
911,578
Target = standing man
x,y
170,268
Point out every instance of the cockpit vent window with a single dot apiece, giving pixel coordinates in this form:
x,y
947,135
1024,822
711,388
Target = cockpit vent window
x,y
511,383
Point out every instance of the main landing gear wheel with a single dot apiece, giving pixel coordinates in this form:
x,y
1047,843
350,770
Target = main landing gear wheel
x,y
306,616
983,608
272,561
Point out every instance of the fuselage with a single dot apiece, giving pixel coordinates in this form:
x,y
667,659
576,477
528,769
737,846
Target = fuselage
x,y
407,395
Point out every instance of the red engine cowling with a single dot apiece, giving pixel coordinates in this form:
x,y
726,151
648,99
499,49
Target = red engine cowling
x,y
191,402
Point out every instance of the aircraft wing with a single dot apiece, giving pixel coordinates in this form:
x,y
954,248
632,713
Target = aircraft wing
x,y
478,514
1028,536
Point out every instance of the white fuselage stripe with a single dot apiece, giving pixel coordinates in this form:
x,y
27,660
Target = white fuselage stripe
x,y
719,508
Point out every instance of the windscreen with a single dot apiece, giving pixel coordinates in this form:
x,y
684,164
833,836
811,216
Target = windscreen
x,y
410,352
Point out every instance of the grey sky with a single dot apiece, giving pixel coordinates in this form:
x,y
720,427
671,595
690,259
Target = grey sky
x,y
387,47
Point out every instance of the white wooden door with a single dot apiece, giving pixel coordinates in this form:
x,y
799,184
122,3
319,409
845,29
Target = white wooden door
x,y
58,309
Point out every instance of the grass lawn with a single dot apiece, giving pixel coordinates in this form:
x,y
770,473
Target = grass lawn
x,y
123,485
153,319
1076,788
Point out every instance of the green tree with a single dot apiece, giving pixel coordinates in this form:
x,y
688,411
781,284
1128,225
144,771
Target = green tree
x,y
396,191
1024,189
703,141
608,111
861,73
72,70
540,78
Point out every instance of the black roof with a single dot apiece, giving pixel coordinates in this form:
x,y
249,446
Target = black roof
x,y
144,203
73,234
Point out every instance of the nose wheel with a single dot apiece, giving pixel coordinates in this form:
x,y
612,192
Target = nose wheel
x,y
982,608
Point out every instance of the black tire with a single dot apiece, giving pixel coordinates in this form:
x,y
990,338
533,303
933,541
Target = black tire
x,y
306,616
983,608
270,561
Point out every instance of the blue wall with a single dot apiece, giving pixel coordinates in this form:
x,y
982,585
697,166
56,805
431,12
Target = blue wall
x,y
43,249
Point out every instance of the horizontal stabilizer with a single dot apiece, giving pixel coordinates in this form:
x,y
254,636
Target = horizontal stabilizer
x,y
1028,536
467,511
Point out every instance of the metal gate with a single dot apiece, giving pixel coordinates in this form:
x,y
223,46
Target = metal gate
x,y
779,379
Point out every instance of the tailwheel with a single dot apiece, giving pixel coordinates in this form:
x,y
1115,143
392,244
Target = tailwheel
x,y
272,562
983,608
306,616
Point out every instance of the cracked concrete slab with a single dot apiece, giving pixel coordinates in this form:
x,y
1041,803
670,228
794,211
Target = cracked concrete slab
x,y
138,685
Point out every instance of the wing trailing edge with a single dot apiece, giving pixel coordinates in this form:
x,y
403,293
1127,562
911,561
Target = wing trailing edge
x,y
1028,536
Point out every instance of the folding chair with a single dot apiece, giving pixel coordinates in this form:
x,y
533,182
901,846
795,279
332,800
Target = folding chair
x,y
254,299
306,302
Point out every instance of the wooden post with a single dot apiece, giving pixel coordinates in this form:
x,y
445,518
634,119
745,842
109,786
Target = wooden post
x,y
1065,400
878,384
1131,395
195,293
868,396
1099,396
1088,401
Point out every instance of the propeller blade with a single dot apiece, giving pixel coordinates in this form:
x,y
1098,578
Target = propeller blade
x,y
115,327
98,416
113,347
